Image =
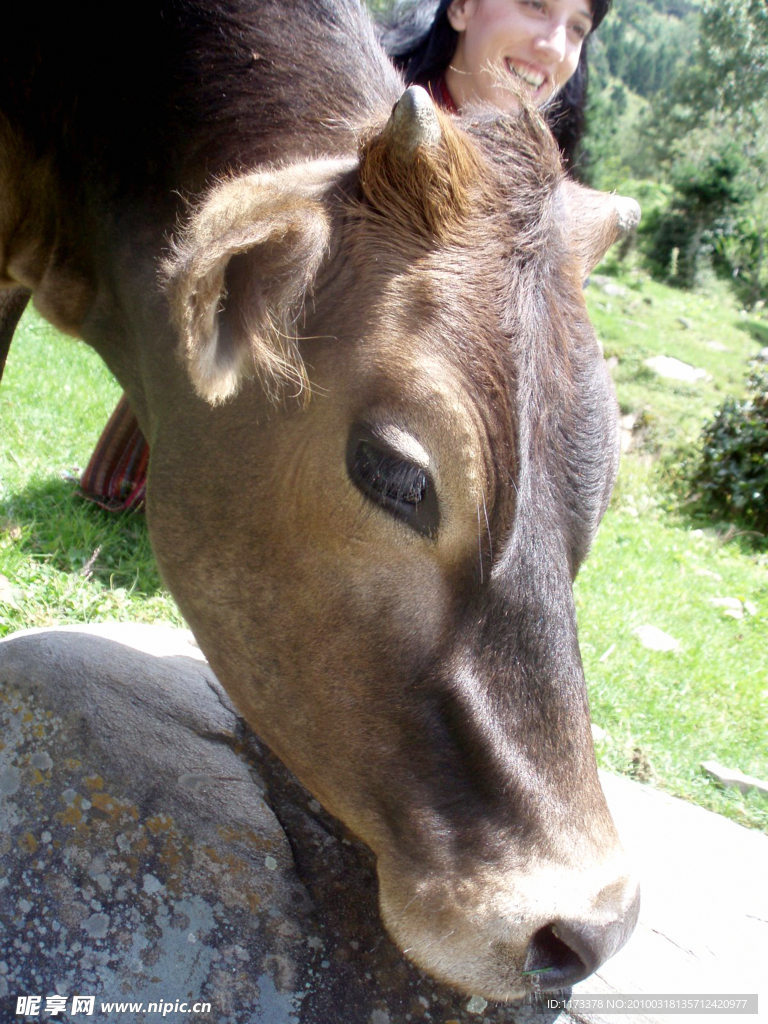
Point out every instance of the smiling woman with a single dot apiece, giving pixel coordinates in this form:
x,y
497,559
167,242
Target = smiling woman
x,y
486,51
504,45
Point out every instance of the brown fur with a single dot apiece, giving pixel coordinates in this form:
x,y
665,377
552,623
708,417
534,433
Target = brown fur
x,y
430,194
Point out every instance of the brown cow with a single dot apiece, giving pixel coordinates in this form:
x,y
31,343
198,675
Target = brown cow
x,y
381,449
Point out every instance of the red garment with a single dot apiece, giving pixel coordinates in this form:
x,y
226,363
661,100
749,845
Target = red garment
x,y
116,475
438,90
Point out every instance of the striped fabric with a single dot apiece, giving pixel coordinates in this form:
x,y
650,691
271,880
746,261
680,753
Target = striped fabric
x,y
116,475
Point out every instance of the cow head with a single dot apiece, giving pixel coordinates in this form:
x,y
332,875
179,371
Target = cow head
x,y
391,605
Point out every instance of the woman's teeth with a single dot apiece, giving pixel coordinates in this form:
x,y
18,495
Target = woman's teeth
x,y
533,78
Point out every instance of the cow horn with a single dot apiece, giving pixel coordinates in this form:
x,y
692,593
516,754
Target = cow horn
x,y
419,169
413,123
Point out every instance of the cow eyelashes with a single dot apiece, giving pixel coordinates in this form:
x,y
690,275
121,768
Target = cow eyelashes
x,y
402,487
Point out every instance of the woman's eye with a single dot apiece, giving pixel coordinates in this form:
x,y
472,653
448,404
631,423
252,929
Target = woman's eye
x,y
400,486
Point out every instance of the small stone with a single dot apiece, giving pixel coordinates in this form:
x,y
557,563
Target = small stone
x,y
731,606
270,864
655,639
627,426
476,1004
732,778
151,884
8,594
675,369
699,571
608,286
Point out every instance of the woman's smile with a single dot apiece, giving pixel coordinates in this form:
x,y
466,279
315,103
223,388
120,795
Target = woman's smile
x,y
535,79
537,43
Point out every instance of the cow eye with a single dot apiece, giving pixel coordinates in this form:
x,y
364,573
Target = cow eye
x,y
402,487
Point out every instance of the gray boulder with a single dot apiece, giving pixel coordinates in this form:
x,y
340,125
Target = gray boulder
x,y
154,853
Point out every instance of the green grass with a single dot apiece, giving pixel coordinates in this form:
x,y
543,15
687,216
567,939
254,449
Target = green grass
x,y
62,559
655,563
65,560
706,331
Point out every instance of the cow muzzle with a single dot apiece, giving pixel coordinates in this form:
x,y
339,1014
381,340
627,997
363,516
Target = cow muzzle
x,y
506,934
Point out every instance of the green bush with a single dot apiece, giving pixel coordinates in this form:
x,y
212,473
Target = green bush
x,y
708,195
732,475
742,255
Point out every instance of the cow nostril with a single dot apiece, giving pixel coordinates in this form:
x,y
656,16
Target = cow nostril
x,y
568,950
552,962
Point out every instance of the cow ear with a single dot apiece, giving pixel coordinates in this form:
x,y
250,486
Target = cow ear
x,y
593,221
417,171
239,273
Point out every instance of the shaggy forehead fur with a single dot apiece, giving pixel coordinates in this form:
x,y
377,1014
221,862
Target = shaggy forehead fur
x,y
510,305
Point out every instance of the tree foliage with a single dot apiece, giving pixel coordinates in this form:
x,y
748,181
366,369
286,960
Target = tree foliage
x,y
645,42
680,96
730,75
704,208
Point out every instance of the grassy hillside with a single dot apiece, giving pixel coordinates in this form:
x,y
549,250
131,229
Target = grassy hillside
x,y
655,563
62,560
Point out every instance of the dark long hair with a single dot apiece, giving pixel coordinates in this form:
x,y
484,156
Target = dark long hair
x,y
421,42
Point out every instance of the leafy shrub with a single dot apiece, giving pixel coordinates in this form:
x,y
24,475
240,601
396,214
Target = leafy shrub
x,y
708,195
743,256
732,476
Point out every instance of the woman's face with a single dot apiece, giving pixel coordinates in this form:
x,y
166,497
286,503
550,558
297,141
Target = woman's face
x,y
510,45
